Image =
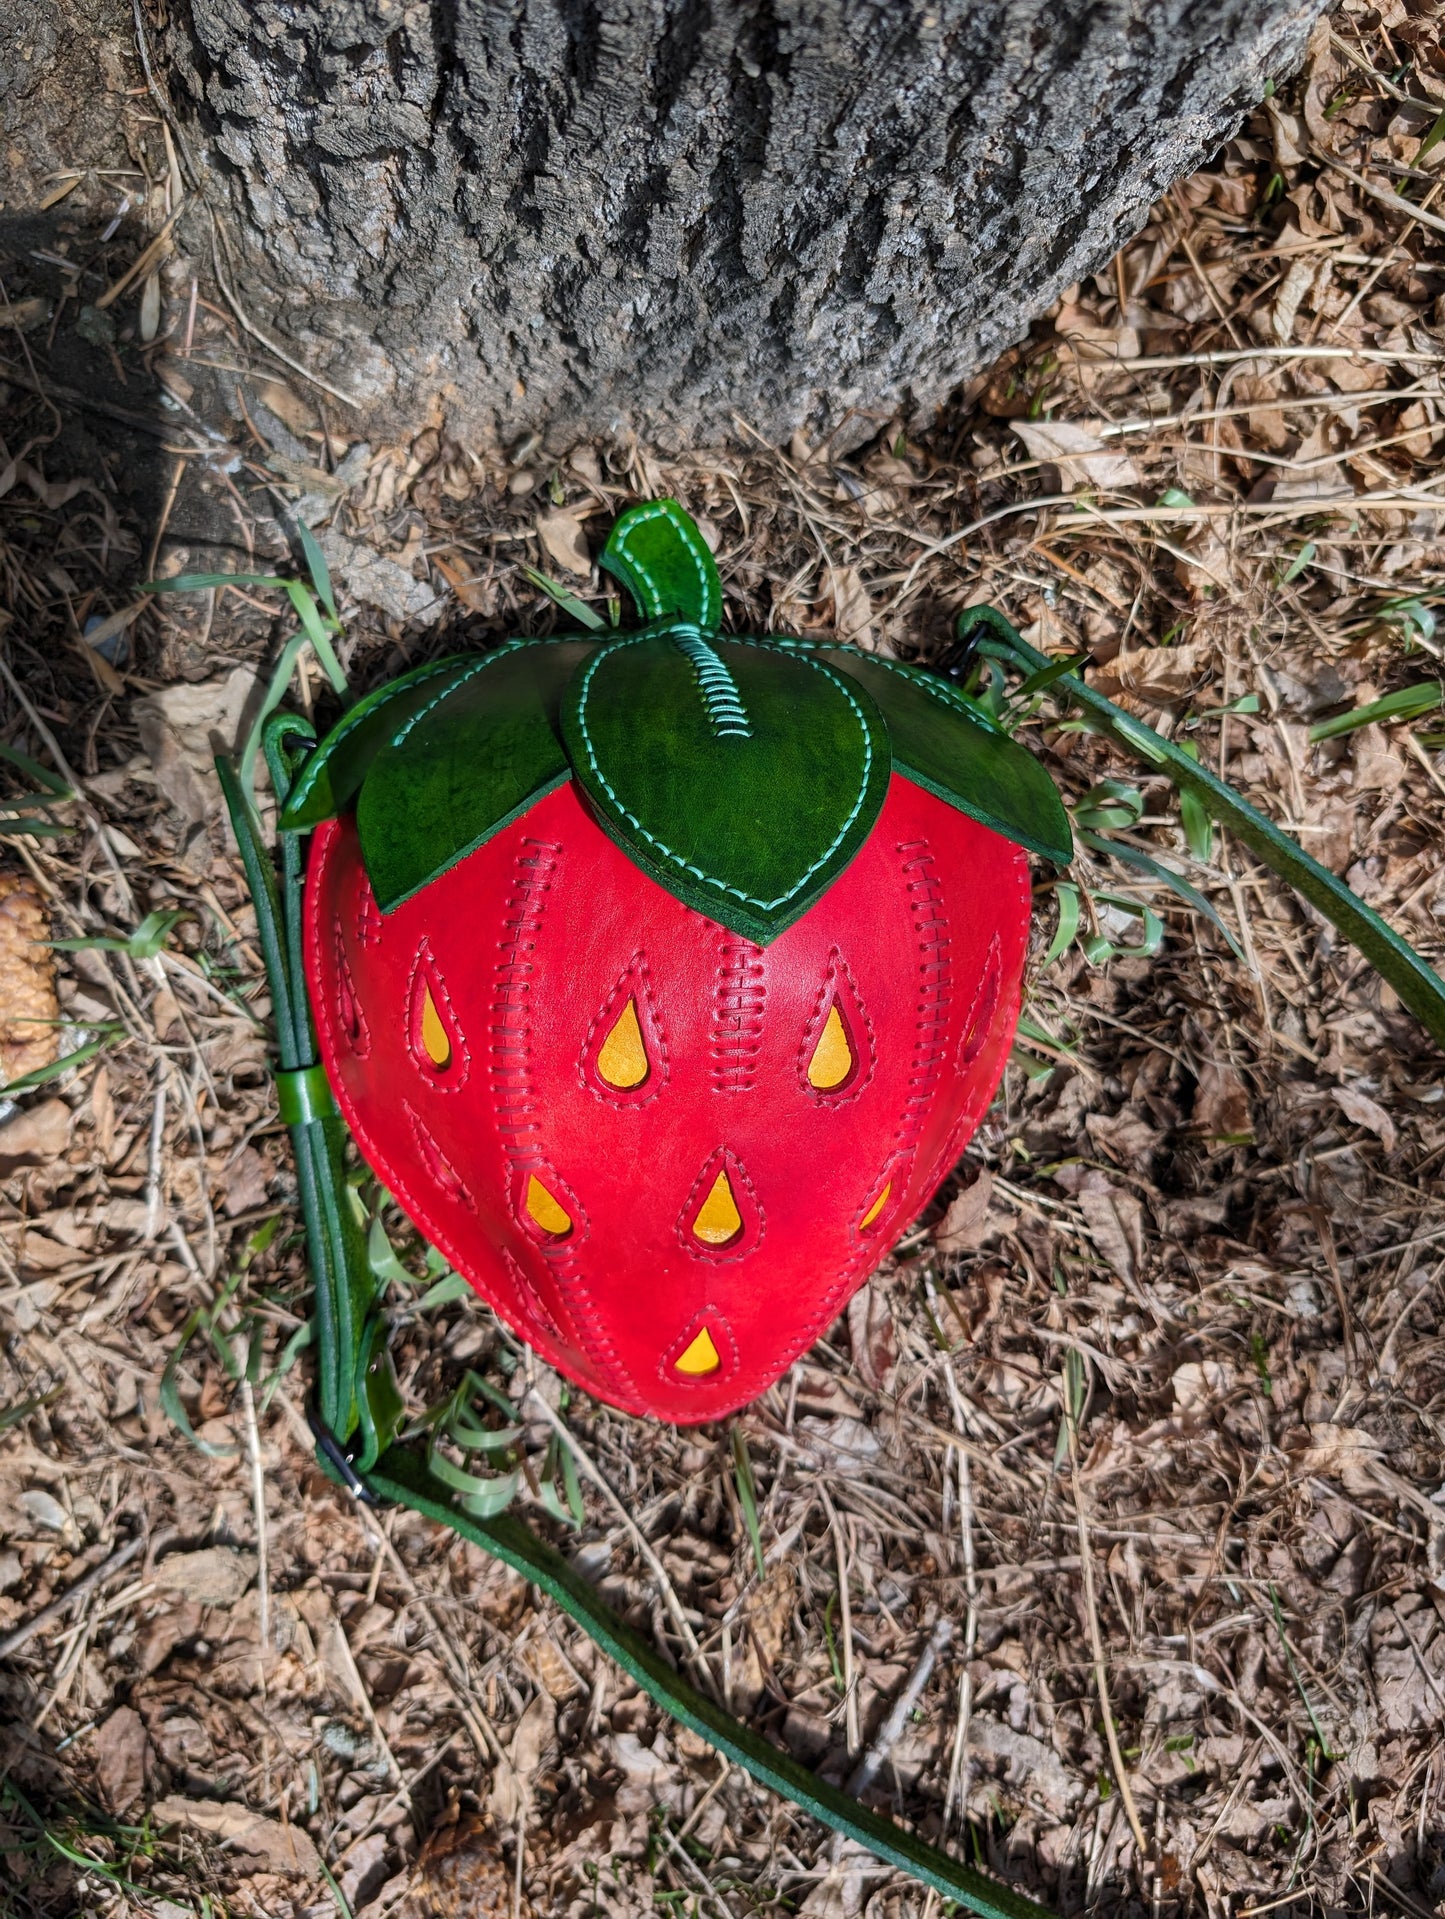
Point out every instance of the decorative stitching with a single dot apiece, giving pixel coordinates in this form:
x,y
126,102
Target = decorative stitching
x,y
518,1125
725,710
985,1005
716,1324
667,852
394,1177
709,615
346,727
930,928
726,1161
368,913
348,1006
864,1054
437,1163
426,973
636,970
478,666
738,997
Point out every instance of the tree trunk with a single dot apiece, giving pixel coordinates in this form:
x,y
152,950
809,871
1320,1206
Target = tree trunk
x,y
681,214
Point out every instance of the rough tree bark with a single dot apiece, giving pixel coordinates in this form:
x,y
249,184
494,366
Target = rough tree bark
x,y
681,213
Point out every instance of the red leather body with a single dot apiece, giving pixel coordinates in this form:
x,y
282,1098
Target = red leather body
x,y
531,948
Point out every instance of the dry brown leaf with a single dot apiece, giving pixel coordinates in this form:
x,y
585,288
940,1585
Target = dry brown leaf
x,y
1115,1220
961,1229
461,1874
852,608
119,1749
1221,1102
265,1843
1363,1110
873,1337
35,1136
564,541
212,1576
1081,456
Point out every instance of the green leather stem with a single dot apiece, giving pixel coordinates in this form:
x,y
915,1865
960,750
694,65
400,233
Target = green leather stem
x,y
1394,959
402,1476
359,1403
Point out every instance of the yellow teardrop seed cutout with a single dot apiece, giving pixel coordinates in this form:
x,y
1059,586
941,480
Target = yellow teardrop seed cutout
x,y
700,1358
436,1041
832,1059
877,1207
622,1061
545,1210
718,1220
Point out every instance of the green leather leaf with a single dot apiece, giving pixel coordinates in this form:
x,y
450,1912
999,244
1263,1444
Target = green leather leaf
x,y
334,773
456,770
940,745
742,775
660,557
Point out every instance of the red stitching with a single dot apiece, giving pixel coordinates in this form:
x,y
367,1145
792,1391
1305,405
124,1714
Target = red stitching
x,y
854,1014
425,973
930,928
518,1123
348,1006
739,993
723,1159
658,1071
437,1163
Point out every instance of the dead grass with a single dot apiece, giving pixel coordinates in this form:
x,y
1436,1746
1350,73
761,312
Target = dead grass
x,y
1218,1184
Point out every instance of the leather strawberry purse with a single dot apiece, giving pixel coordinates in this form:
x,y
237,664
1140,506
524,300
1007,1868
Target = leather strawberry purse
x,y
662,975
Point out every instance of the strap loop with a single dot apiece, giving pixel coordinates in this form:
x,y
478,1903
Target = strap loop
x,y
305,1095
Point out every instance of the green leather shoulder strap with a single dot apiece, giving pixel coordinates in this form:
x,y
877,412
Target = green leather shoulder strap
x,y
358,1410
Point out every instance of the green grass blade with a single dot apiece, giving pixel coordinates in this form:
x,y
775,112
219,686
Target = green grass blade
x,y
1176,882
305,605
1067,896
1406,704
1394,959
42,1075
36,829
318,569
32,769
200,582
568,602
748,1496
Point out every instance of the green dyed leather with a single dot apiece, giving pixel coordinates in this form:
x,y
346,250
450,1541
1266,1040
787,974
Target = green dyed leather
x,y
332,776
664,562
694,752
941,746
456,770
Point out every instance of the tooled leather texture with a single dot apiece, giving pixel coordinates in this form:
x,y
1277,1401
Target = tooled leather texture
x,y
527,944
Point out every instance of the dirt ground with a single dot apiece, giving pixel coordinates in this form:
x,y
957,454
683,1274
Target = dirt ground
x,y
1205,1211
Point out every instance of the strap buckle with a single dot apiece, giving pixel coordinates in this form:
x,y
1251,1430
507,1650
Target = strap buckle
x,y
337,1457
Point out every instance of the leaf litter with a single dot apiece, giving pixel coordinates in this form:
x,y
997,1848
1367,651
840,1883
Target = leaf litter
x,y
1178,1312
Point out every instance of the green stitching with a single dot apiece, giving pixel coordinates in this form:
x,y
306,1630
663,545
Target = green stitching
x,y
321,759
676,858
725,710
687,533
487,659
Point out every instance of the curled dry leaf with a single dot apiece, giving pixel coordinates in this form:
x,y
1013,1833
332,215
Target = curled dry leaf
x,y
28,1007
564,541
1366,1112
